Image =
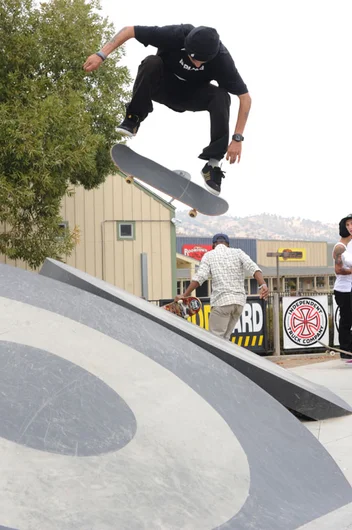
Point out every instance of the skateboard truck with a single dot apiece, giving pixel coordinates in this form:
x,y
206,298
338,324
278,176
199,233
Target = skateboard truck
x,y
332,350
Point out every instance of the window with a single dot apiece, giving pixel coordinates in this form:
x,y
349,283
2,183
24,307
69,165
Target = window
x,y
332,281
179,287
63,229
320,282
182,286
63,225
125,230
290,284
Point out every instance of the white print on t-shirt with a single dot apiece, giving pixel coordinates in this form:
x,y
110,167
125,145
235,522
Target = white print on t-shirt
x,y
187,67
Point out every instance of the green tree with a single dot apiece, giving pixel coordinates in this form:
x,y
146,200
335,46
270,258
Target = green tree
x,y
57,122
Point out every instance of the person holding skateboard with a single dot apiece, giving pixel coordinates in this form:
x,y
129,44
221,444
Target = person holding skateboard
x,y
179,76
227,267
342,255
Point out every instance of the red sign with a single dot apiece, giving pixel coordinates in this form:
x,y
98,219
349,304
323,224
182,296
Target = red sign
x,y
195,251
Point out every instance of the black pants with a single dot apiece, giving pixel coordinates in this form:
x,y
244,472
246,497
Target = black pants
x,y
344,301
155,83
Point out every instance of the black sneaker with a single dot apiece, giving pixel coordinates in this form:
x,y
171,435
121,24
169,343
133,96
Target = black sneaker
x,y
212,178
129,126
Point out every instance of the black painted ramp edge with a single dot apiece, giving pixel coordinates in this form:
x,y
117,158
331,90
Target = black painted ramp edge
x,y
295,393
292,479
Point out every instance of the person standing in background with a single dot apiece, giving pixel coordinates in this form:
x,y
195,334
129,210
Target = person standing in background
x,y
342,255
227,267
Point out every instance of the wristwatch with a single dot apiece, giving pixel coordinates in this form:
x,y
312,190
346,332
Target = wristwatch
x,y
238,137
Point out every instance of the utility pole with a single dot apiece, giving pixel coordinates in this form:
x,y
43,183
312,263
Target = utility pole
x,y
276,304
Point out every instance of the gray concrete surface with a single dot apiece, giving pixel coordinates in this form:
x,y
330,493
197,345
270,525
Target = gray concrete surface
x,y
334,434
200,446
297,394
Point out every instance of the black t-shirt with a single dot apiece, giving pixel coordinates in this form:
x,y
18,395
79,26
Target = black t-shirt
x,y
170,41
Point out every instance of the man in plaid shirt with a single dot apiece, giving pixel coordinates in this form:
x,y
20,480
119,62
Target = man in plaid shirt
x,y
227,267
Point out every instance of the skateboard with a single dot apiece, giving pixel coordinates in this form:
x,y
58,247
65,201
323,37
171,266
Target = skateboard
x,y
176,184
332,350
184,308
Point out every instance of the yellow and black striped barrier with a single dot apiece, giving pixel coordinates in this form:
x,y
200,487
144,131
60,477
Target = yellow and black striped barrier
x,y
250,331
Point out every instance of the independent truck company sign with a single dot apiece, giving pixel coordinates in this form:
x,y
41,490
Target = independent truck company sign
x,y
305,321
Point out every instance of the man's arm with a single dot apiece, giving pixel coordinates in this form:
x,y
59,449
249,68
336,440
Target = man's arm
x,y
198,279
339,250
193,285
263,288
94,61
235,148
251,267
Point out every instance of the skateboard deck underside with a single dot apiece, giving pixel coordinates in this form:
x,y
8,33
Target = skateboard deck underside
x,y
334,350
167,181
188,307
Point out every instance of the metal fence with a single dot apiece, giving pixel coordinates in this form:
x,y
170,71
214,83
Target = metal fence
x,y
263,341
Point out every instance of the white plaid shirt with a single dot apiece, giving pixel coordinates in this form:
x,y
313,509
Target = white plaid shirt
x,y
227,267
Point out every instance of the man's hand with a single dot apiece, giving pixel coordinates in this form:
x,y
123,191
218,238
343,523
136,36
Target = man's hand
x,y
178,298
234,151
92,63
264,292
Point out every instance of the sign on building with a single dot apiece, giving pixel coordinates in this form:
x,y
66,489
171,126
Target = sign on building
x,y
195,251
294,254
305,321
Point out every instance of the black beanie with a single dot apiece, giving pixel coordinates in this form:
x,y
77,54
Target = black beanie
x,y
202,43
342,226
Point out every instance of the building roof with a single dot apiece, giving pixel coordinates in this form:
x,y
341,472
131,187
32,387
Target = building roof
x,y
186,259
148,191
297,271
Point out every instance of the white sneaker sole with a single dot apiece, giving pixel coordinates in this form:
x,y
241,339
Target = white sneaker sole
x,y
211,190
124,132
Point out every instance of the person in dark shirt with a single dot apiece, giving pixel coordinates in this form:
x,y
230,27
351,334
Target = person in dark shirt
x,y
179,76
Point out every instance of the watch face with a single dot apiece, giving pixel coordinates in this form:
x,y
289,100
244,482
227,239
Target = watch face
x,y
238,137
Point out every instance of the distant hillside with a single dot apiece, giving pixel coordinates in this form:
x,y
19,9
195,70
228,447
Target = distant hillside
x,y
263,226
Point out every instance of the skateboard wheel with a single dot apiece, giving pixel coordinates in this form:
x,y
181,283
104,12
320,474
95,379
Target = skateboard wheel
x,y
192,213
129,180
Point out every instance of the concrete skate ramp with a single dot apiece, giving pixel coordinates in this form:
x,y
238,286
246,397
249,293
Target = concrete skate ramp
x,y
297,394
109,420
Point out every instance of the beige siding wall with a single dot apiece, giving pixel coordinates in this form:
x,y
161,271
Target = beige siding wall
x,y
101,254
316,253
15,263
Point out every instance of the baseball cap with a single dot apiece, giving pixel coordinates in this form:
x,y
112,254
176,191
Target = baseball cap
x,y
342,226
202,43
221,237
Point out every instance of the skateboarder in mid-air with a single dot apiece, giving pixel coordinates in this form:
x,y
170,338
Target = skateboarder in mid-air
x,y
179,76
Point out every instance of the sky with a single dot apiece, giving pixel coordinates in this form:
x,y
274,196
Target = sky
x,y
295,58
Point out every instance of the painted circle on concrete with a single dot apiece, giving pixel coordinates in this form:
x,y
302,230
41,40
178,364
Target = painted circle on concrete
x,y
51,404
169,473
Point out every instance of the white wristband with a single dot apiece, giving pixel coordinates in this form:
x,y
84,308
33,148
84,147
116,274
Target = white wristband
x,y
101,55
262,285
